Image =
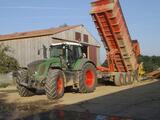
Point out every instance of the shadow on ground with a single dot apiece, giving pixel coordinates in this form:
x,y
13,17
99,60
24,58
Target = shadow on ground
x,y
5,109
139,103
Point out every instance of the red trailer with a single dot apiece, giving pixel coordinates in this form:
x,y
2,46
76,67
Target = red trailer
x,y
122,52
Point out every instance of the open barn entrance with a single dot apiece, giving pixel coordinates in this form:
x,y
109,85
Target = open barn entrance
x,y
85,50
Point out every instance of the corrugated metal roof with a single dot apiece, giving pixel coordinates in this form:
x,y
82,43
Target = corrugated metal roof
x,y
36,33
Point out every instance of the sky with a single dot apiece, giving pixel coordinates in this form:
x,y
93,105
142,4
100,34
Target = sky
x,y
142,17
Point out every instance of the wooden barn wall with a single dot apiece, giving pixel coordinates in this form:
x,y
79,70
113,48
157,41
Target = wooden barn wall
x,y
26,50
93,54
98,56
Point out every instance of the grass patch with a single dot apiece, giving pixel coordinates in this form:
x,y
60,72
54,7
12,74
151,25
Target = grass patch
x,y
4,85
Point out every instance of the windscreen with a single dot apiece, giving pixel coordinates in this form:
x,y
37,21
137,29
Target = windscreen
x,y
57,51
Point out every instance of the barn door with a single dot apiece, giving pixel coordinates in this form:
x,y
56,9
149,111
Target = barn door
x,y
93,54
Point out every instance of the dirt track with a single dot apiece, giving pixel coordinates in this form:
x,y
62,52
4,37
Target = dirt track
x,y
137,101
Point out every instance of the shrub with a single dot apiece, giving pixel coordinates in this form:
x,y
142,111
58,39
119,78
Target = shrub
x,y
7,63
4,85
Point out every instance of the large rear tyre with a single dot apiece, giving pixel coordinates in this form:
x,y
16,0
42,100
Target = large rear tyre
x,y
54,86
88,78
22,76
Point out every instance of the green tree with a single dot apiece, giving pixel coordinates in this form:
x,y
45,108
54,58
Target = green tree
x,y
151,63
7,63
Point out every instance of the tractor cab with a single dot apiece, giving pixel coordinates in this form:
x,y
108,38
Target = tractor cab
x,y
68,52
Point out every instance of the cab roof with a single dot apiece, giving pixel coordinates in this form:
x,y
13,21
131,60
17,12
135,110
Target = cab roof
x,y
66,43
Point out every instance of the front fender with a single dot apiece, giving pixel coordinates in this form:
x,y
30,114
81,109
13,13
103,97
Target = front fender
x,y
44,67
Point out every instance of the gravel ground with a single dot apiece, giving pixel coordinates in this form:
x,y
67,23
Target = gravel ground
x,y
139,101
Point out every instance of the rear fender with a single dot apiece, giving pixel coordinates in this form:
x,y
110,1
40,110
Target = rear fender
x,y
80,63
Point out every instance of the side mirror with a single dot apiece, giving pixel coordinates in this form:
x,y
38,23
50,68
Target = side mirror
x,y
44,51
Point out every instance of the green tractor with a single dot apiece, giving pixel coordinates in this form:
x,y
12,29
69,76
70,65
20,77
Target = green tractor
x,y
66,66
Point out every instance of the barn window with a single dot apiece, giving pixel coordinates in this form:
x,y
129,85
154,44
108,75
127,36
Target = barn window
x,y
44,51
78,36
85,38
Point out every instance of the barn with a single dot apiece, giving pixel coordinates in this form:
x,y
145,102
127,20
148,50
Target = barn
x,y
25,45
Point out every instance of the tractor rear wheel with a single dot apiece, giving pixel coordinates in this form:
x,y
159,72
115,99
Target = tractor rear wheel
x,y
88,78
54,86
22,76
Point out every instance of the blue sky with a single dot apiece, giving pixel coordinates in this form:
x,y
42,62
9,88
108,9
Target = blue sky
x,y
142,17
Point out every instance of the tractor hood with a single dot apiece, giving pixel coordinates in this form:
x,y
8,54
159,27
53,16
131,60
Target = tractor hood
x,y
33,66
39,68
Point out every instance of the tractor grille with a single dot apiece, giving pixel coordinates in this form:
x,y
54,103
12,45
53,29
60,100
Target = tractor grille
x,y
33,67
41,69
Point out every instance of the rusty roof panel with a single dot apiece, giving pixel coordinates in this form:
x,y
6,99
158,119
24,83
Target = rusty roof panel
x,y
36,33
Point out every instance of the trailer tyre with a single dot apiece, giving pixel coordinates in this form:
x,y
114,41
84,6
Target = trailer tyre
x,y
128,79
119,79
116,80
135,76
54,86
88,78
22,75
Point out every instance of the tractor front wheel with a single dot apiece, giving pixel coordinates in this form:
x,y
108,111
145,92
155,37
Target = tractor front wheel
x,y
88,78
22,76
54,86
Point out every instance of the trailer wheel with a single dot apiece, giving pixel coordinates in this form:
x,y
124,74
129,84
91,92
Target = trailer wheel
x,y
117,80
135,76
88,78
123,78
22,75
54,86
128,79
132,79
